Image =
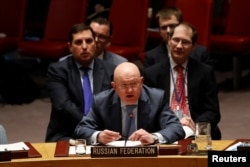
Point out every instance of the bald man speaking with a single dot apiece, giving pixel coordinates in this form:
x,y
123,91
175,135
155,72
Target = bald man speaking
x,y
150,119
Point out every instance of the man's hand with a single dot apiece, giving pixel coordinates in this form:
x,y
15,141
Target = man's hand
x,y
143,136
107,136
188,122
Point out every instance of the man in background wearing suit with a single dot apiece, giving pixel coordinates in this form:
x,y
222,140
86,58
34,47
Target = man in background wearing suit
x,y
199,89
167,19
152,122
64,82
103,32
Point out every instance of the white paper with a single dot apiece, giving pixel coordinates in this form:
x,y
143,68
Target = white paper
x,y
121,143
234,147
14,147
188,131
72,150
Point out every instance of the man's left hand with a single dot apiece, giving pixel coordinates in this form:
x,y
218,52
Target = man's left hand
x,y
143,136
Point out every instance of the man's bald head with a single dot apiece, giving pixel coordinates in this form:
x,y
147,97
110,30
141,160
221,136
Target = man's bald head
x,y
127,82
125,70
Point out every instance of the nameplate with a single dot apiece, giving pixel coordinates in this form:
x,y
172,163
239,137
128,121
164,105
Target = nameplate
x,y
104,151
243,148
5,156
8,155
19,154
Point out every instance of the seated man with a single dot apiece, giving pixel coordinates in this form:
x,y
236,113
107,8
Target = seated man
x,y
190,85
151,119
167,19
72,82
103,32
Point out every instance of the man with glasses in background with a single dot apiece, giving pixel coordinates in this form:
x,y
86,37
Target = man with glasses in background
x,y
190,85
103,33
150,119
167,19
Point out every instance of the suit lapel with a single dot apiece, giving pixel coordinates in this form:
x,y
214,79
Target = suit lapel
x,y
164,77
98,76
143,111
76,84
106,56
191,79
116,114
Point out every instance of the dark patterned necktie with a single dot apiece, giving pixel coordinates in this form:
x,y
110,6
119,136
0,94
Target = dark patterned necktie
x,y
130,120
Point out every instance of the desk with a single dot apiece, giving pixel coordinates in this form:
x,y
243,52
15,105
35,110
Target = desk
x,y
48,160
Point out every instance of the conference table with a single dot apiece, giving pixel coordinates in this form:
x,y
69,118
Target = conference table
x,y
47,151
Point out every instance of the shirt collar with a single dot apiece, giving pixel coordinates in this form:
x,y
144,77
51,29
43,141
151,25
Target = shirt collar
x,y
124,104
101,56
91,66
173,63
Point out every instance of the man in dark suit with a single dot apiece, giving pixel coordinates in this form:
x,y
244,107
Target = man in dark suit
x,y
153,120
64,82
200,89
103,32
167,19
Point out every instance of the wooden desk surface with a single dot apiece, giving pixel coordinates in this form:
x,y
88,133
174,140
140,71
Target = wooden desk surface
x,y
48,160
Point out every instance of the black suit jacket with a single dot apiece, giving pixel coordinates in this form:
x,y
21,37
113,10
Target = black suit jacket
x,y
66,93
160,54
154,115
201,86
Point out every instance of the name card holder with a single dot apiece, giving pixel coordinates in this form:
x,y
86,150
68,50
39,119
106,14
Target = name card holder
x,y
244,147
8,155
169,149
107,151
5,156
19,154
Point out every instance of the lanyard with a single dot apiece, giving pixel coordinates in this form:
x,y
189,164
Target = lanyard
x,y
178,98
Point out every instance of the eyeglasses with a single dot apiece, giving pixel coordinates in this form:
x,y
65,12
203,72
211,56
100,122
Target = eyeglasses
x,y
101,37
184,42
131,85
168,26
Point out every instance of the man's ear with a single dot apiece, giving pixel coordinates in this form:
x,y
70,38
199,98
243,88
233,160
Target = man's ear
x,y
113,84
70,46
109,41
142,79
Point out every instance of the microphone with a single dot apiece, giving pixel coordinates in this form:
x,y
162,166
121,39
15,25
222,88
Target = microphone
x,y
130,115
130,123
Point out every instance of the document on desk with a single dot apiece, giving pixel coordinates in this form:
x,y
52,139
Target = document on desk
x,y
188,131
14,147
72,150
123,143
234,147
